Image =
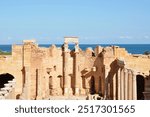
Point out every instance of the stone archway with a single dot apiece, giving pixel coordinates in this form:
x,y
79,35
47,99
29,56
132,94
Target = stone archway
x,y
140,87
4,78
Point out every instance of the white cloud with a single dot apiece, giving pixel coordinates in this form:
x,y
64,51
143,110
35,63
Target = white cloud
x,y
146,37
125,37
9,38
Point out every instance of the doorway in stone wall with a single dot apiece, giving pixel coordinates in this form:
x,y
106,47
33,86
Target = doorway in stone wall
x,y
140,87
92,88
4,78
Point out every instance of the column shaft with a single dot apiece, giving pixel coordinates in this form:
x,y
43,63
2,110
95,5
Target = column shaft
x,y
106,83
77,75
66,77
118,77
126,83
122,84
114,87
26,94
130,85
134,86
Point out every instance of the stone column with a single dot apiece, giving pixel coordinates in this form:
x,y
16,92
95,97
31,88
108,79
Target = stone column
x,y
118,76
126,83
134,86
27,51
26,94
65,69
114,87
77,73
39,84
28,85
130,90
106,82
122,84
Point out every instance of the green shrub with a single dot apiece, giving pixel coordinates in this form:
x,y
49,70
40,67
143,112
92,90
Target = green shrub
x,y
4,53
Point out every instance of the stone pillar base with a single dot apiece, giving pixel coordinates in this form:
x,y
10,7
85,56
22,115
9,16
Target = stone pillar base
x,y
39,98
87,91
77,91
56,92
66,91
23,97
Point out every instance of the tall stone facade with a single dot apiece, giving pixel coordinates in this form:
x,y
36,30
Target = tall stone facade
x,y
61,73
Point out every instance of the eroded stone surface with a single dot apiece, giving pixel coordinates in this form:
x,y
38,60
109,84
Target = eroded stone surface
x,y
46,73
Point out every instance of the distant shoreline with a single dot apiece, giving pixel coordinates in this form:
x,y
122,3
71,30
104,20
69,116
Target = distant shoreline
x,y
131,48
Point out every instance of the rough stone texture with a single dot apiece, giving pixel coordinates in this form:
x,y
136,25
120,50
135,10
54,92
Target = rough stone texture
x,y
49,73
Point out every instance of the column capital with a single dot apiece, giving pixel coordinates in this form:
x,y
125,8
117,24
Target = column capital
x,y
134,72
129,71
125,70
76,47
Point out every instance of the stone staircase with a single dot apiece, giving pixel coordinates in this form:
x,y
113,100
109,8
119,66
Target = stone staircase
x,y
8,91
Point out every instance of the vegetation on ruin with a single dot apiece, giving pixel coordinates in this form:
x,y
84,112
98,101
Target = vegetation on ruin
x,y
147,53
4,53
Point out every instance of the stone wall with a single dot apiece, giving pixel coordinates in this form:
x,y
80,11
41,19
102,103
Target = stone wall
x,y
42,72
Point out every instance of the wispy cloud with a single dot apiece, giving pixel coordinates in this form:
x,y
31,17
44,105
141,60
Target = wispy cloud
x,y
146,37
9,38
125,37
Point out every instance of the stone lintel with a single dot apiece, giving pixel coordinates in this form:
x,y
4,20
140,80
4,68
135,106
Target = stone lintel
x,y
71,39
29,41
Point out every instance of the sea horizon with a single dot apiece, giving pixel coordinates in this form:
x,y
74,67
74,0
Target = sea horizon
x,y
131,48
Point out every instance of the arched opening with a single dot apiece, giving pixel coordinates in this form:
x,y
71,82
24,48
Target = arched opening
x,y
140,87
4,78
92,88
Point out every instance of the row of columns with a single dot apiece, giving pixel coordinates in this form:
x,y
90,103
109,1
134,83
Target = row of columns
x,y
66,69
124,85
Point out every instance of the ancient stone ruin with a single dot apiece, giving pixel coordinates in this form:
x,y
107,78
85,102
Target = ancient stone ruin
x,y
109,73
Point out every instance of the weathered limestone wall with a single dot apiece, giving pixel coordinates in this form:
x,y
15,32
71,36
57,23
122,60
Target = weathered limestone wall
x,y
140,63
86,63
16,67
119,72
53,65
13,65
46,71
42,72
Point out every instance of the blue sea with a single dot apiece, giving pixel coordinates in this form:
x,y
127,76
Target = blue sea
x,y
131,48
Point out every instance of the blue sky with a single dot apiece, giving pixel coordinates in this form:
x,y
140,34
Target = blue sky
x,y
93,21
